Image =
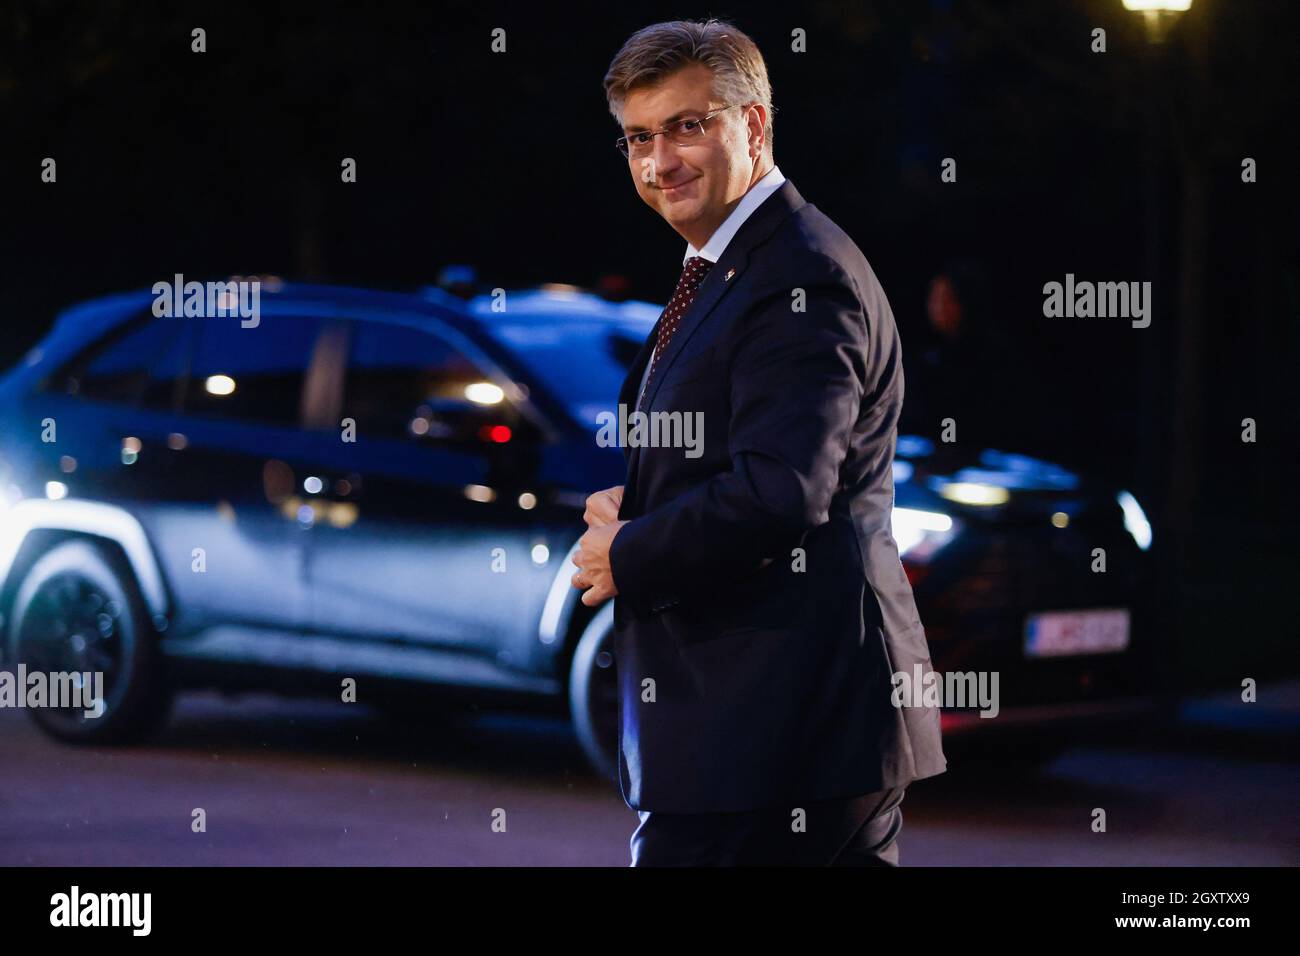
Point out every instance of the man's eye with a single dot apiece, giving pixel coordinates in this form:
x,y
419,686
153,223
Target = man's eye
x,y
640,139
689,125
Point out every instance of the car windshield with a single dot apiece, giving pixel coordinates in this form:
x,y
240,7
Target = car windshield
x,y
582,361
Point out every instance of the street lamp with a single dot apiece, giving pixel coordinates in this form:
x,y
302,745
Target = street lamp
x,y
1158,14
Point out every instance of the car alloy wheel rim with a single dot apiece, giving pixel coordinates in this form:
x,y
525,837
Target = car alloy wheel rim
x,y
73,626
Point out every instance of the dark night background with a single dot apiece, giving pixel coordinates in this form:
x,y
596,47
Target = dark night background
x,y
1122,166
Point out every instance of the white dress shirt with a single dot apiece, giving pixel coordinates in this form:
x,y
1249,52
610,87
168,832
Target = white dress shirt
x,y
722,236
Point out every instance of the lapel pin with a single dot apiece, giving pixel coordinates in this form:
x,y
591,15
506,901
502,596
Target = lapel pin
x,y
730,273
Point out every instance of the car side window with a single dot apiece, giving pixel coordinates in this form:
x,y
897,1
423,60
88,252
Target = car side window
x,y
406,383
254,373
139,366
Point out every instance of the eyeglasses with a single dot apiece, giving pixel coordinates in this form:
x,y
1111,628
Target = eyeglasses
x,y
685,132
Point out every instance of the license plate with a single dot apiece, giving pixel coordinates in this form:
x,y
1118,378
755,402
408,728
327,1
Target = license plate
x,y
1062,633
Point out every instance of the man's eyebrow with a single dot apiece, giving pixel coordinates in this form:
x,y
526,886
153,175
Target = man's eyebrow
x,y
681,115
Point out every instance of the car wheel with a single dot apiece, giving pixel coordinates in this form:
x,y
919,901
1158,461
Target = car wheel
x,y
593,694
79,610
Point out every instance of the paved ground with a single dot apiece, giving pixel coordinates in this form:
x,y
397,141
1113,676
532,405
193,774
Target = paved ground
x,y
294,782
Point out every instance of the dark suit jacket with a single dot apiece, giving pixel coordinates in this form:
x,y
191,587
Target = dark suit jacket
x,y
761,605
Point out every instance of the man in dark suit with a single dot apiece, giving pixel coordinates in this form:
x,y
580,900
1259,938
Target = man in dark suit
x,y
760,606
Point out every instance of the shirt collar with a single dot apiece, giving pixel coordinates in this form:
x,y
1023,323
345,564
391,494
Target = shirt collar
x,y
718,242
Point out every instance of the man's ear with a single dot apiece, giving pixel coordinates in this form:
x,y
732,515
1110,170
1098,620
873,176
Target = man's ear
x,y
755,121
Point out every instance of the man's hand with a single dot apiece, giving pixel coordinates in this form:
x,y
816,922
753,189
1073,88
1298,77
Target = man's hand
x,y
602,506
592,559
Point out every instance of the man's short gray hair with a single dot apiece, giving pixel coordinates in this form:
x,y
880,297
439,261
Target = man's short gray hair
x,y
654,52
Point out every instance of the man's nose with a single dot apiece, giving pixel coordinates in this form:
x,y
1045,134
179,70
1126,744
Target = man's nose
x,y
665,156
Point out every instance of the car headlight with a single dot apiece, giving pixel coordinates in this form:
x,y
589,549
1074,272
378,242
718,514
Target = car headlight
x,y
921,533
1135,520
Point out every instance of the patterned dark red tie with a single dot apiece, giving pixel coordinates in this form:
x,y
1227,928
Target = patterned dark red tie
x,y
693,272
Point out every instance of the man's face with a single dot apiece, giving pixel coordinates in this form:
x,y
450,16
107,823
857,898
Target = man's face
x,y
694,187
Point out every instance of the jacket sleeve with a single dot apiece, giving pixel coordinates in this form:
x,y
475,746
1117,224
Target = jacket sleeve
x,y
797,381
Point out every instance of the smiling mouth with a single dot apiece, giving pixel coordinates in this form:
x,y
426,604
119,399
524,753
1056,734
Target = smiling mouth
x,y
669,189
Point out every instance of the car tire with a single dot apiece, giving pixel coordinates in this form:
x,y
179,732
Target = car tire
x,y
78,609
593,694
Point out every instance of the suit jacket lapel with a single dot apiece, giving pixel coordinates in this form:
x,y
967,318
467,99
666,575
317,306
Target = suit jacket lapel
x,y
627,393
762,222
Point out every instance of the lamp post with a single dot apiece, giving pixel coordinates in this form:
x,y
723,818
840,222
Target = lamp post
x,y
1169,143
1171,129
